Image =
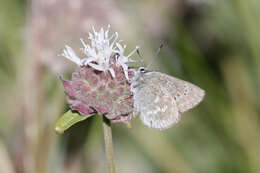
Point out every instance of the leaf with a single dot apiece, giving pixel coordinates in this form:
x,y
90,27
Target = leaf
x,y
67,120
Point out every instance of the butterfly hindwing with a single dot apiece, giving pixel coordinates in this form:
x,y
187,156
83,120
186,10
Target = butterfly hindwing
x,y
156,106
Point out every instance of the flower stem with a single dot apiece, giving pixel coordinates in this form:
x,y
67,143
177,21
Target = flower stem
x,y
108,144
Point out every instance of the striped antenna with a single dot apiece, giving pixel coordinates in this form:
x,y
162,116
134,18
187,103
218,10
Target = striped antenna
x,y
156,55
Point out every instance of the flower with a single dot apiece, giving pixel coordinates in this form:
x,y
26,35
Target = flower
x,y
123,60
100,83
70,54
100,52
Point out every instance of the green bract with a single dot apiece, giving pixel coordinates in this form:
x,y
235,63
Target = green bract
x,y
67,120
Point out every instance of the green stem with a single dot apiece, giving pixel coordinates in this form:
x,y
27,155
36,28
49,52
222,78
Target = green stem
x,y
109,144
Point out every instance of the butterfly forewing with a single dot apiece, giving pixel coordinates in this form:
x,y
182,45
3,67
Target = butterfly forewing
x,y
187,95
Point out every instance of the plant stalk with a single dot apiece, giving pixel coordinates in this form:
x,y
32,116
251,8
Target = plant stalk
x,y
109,144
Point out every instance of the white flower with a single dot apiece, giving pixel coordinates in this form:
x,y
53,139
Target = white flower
x,y
123,60
70,54
99,51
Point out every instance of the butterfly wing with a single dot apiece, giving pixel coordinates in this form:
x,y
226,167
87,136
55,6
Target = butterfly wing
x,y
187,95
191,96
156,106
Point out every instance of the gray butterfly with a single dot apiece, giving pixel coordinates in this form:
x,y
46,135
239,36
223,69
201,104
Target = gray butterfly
x,y
160,99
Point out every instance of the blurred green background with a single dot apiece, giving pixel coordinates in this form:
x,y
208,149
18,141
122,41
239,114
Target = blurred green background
x,y
212,43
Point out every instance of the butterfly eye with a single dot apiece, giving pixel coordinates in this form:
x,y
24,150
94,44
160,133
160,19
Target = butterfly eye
x,y
142,69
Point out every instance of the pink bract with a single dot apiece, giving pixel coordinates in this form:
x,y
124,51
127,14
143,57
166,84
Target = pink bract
x,y
91,91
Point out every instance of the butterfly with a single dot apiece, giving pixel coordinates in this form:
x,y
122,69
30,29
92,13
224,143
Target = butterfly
x,y
160,99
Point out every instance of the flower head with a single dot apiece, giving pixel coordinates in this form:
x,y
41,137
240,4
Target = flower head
x,y
100,83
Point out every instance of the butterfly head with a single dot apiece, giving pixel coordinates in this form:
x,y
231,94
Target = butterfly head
x,y
138,77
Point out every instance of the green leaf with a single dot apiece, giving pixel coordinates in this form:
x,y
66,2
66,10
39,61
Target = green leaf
x,y
67,120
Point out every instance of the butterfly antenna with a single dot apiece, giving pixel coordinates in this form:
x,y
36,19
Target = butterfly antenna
x,y
159,49
138,52
156,55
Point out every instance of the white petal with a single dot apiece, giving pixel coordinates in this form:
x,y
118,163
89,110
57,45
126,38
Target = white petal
x,y
70,54
121,49
96,66
84,44
86,61
113,42
112,72
125,68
